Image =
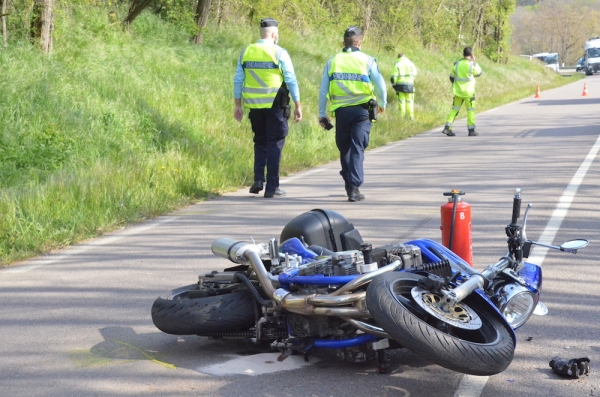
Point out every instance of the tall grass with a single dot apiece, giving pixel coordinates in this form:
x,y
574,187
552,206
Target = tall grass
x,y
118,126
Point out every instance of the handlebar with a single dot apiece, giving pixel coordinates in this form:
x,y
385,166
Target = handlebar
x,y
516,213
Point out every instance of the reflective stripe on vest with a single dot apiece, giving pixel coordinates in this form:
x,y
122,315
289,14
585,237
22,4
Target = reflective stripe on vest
x,y
464,80
349,81
405,72
262,76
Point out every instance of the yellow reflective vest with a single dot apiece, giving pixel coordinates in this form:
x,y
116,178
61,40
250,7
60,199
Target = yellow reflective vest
x,y
262,76
404,71
464,73
349,81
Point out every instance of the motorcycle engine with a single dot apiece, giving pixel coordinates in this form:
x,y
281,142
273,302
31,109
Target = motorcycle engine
x,y
341,264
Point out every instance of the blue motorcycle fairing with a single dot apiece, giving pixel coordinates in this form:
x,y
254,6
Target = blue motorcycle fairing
x,y
532,274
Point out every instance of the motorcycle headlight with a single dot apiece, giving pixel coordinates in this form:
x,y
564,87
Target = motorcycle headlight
x,y
517,303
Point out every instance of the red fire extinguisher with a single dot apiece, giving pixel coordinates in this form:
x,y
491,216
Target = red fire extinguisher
x,y
456,226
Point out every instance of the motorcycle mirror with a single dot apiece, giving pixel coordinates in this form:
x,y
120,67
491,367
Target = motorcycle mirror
x,y
573,245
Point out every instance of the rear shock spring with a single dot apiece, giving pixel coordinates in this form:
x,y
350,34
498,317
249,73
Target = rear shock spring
x,y
441,269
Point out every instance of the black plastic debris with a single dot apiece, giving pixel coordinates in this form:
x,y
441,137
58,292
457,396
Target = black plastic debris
x,y
573,368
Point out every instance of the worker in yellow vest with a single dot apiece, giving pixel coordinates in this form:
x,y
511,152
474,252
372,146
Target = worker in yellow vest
x,y
264,80
403,82
352,82
463,76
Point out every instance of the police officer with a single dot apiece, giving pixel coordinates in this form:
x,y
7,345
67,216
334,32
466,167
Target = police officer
x,y
263,80
350,80
403,82
462,77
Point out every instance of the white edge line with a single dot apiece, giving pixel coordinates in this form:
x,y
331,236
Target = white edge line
x,y
564,203
472,386
86,246
303,174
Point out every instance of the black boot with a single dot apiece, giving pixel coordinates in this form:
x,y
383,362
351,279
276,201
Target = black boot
x,y
355,194
348,189
448,131
257,187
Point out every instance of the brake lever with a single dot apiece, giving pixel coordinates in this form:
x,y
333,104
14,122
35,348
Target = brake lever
x,y
523,233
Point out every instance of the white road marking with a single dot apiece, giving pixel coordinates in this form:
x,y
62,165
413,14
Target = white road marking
x,y
257,364
547,237
84,247
472,386
303,174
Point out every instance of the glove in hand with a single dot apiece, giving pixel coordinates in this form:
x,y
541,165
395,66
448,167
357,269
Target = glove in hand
x,y
573,368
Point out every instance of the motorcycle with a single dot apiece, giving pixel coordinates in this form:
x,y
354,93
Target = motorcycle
x,y
323,287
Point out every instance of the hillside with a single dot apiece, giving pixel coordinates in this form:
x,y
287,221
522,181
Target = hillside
x,y
118,126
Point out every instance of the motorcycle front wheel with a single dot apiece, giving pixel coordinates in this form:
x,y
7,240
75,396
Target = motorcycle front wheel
x,y
189,311
487,350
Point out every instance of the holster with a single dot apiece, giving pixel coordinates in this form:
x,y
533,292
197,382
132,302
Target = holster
x,y
371,106
283,99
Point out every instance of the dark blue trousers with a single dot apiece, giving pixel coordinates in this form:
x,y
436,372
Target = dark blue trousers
x,y
270,128
352,130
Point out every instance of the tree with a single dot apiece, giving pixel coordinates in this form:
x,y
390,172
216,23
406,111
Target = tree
x,y
42,24
4,15
202,11
136,7
555,26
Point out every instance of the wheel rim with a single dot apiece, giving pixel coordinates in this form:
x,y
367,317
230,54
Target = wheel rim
x,y
484,334
459,315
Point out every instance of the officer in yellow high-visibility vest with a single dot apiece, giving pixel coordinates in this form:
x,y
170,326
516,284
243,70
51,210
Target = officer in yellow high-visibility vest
x,y
403,82
352,82
463,76
264,79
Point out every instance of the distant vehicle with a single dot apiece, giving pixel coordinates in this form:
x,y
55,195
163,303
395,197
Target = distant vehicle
x,y
579,66
550,59
591,56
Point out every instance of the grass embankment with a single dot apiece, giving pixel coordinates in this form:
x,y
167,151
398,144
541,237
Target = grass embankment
x,y
116,127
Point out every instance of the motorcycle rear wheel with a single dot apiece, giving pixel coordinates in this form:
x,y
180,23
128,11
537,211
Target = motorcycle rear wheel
x,y
177,314
486,351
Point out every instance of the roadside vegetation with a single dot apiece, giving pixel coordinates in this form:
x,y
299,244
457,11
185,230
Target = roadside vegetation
x,y
117,126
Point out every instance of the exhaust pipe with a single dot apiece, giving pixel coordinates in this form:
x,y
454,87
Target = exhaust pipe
x,y
324,305
242,252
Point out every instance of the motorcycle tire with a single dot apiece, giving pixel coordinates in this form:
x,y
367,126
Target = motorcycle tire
x,y
486,351
175,313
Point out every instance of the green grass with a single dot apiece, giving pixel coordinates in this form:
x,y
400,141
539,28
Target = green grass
x,y
116,127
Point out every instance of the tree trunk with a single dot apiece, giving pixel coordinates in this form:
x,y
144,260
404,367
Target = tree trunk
x,y
42,24
201,19
219,13
47,26
367,18
4,14
137,6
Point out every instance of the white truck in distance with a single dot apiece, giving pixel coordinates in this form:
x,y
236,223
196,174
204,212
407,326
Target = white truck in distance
x,y
591,56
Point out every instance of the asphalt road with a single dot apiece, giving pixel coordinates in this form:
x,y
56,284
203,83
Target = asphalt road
x,y
77,322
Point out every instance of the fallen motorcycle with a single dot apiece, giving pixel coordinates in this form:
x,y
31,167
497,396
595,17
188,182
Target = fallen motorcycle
x,y
323,287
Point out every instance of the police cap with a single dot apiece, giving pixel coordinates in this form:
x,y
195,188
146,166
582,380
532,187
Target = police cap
x,y
352,31
266,22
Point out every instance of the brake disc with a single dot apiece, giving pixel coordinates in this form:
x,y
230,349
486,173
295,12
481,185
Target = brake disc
x,y
459,315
